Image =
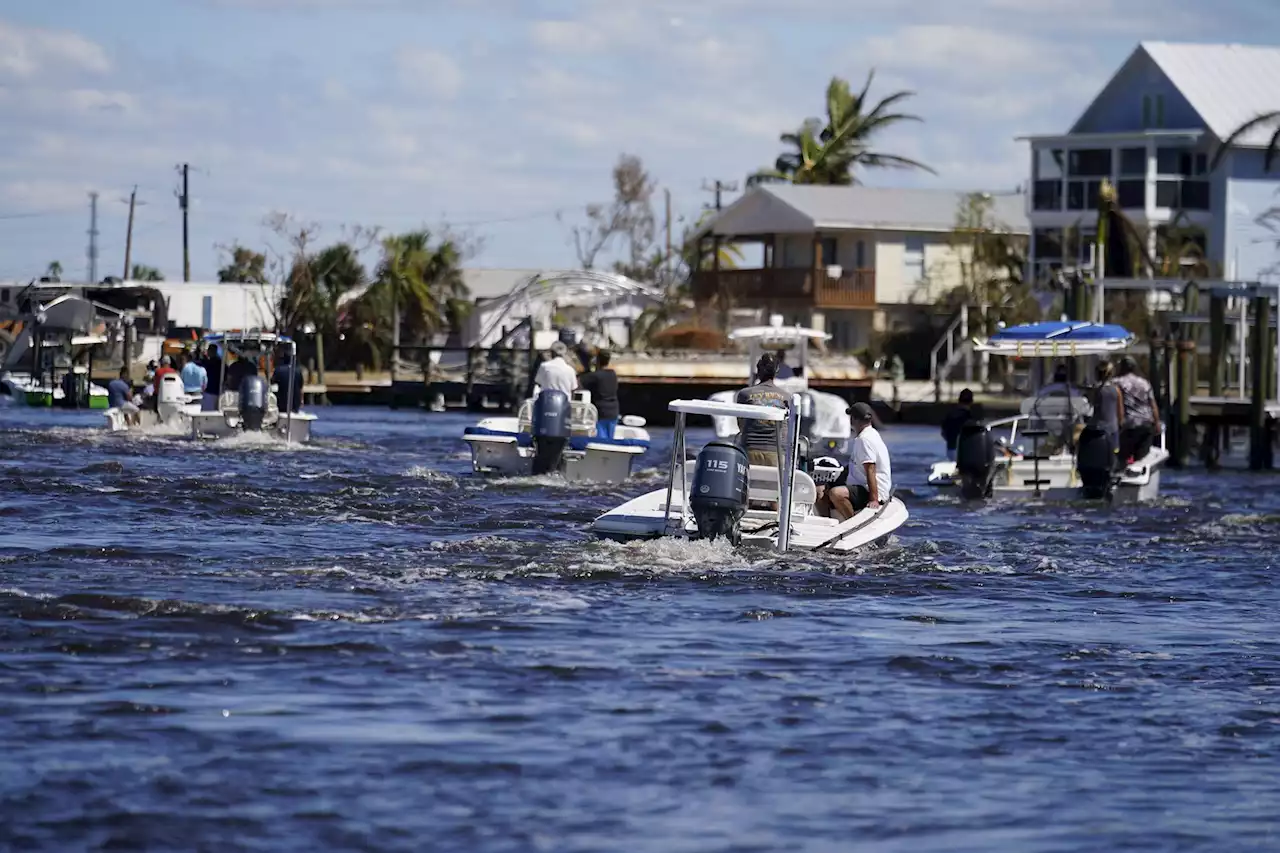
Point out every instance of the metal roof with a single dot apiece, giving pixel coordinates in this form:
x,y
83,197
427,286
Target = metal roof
x,y
831,208
1227,84
1056,339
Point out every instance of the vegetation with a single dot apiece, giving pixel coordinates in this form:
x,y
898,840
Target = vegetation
x,y
54,271
141,272
244,265
1267,120
628,217
833,150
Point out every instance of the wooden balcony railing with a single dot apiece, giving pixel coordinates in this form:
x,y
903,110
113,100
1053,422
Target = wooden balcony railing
x,y
853,289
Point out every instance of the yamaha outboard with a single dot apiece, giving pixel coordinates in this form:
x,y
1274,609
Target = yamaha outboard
x,y
1095,462
551,430
720,487
253,402
975,461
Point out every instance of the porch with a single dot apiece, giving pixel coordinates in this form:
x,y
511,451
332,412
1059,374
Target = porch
x,y
778,287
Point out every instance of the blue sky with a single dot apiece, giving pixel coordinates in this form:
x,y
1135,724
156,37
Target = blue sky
x,y
504,117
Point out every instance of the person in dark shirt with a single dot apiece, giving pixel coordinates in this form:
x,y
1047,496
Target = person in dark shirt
x,y
955,420
603,385
784,369
236,373
212,365
1108,409
760,438
288,399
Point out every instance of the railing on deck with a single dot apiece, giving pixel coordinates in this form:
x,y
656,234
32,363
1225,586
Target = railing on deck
x,y
853,289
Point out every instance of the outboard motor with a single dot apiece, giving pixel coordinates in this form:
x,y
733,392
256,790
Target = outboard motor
x,y
253,402
720,486
975,461
1095,462
551,430
171,399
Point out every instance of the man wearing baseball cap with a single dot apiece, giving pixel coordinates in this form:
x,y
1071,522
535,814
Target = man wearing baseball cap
x,y
870,479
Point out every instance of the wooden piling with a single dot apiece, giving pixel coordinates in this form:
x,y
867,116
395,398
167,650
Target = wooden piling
x,y
1259,446
1217,343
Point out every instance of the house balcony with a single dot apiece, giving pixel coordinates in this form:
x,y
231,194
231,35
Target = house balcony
x,y
776,286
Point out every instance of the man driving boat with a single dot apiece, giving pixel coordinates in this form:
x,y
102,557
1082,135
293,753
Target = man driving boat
x,y
869,477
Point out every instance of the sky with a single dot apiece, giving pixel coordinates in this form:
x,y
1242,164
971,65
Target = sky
x,y
501,119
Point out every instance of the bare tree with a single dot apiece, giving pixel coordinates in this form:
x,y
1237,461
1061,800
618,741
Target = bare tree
x,y
629,216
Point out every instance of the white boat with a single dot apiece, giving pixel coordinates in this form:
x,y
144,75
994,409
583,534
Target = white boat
x,y
509,446
1036,455
174,408
253,407
823,422
720,495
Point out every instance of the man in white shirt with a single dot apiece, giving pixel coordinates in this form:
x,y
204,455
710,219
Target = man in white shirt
x,y
556,374
870,479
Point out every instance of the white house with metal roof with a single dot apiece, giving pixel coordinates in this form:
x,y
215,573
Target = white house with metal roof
x,y
1153,131
847,260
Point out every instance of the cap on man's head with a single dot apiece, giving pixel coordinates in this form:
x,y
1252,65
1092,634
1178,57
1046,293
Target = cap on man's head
x,y
966,396
767,367
559,349
1127,364
860,412
166,361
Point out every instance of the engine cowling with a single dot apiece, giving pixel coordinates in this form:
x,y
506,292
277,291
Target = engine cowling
x,y
550,426
718,499
253,402
1095,462
975,460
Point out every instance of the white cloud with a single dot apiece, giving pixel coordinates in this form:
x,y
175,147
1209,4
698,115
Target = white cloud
x,y
48,194
425,70
26,52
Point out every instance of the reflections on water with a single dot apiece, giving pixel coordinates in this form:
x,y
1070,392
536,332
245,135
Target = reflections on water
x,y
358,645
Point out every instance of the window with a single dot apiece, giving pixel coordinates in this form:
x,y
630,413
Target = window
x,y
860,255
1047,195
1152,111
1133,162
1049,164
1049,168
913,259
1195,195
1048,243
4,295
206,313
1090,163
1131,194
1184,162
1083,195
829,251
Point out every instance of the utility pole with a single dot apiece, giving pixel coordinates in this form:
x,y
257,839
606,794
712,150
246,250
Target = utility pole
x,y
128,235
184,202
720,187
667,264
93,238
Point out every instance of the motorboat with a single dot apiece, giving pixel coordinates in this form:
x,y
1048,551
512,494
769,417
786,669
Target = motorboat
x,y
554,433
252,406
1048,452
719,494
174,408
823,421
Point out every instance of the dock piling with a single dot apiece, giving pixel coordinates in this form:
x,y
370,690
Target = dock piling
x,y
1259,445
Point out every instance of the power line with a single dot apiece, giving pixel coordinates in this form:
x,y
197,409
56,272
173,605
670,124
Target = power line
x,y
720,187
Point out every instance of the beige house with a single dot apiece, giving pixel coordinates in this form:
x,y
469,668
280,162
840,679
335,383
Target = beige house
x,y
848,260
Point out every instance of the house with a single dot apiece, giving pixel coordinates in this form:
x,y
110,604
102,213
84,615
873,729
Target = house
x,y
848,260
1152,132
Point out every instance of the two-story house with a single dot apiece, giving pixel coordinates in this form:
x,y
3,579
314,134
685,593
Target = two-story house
x,y
848,260
1153,132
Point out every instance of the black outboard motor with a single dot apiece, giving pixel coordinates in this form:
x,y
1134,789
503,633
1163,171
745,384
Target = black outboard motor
x,y
1095,462
975,461
551,430
253,402
720,487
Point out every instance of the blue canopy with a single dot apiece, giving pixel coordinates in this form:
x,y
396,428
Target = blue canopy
x,y
1063,331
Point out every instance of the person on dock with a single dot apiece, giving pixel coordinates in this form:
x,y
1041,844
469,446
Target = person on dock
x,y
213,379
556,374
603,385
760,438
1108,409
955,421
194,376
1140,418
288,379
869,477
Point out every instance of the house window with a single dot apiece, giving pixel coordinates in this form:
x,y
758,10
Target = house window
x,y
1182,183
4,295
860,255
913,259
1049,169
1152,111
1048,243
829,251
206,313
1090,163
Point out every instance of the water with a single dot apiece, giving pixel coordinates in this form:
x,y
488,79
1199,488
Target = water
x,y
358,646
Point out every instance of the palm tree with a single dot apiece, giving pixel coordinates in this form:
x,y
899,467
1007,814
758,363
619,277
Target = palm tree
x,y
1260,121
829,152
333,272
54,271
244,266
141,272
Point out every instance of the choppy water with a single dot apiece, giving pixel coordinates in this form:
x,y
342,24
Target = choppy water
x,y
356,646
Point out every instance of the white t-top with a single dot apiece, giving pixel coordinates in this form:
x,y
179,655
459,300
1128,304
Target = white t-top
x,y
868,446
556,374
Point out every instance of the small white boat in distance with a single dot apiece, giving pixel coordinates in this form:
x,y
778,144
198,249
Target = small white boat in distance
x,y
823,421
713,496
1036,455
253,406
509,447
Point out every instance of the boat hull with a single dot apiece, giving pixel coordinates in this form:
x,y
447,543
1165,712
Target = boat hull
x,y
1059,481
214,425
500,449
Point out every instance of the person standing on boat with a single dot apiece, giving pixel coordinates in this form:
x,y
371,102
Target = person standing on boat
x,y
603,385
1140,420
194,377
119,394
556,374
213,379
1108,409
288,399
784,369
760,438
869,481
243,367
955,421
